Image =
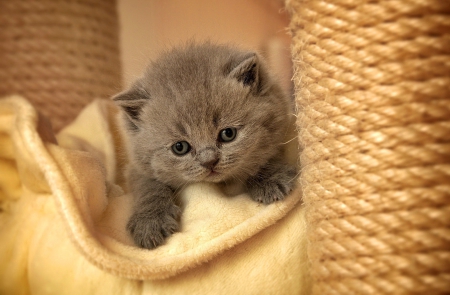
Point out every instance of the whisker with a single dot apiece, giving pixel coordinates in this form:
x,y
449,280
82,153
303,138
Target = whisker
x,y
295,176
293,138
237,178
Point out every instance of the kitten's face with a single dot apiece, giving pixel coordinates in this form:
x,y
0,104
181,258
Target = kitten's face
x,y
205,113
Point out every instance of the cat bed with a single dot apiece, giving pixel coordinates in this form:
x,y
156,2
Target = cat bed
x,y
64,209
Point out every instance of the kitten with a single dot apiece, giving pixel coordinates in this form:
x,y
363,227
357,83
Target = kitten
x,y
202,113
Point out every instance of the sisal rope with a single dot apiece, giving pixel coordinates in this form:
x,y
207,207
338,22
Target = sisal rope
x,y
373,95
59,54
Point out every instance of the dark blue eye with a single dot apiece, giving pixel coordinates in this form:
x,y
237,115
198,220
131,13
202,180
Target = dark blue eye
x,y
181,148
228,134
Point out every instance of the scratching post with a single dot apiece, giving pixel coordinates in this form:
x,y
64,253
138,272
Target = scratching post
x,y
373,92
60,55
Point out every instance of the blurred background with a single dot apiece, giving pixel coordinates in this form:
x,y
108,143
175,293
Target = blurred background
x,y
149,26
62,54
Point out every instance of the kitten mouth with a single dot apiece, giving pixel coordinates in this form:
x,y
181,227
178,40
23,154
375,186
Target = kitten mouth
x,y
213,173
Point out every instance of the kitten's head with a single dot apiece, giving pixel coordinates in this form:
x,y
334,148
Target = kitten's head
x,y
204,113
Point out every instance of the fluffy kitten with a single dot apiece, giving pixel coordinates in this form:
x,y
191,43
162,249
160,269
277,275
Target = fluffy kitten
x,y
202,113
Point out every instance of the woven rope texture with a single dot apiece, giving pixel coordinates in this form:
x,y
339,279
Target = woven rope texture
x,y
59,54
373,94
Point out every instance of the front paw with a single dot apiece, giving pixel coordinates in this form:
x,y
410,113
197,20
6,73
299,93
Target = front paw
x,y
269,189
149,228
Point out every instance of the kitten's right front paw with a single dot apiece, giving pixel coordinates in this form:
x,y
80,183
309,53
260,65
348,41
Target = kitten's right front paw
x,y
149,229
273,187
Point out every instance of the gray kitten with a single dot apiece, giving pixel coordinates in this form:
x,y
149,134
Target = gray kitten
x,y
202,113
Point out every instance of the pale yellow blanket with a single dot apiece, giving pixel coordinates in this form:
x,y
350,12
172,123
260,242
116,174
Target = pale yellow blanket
x,y
63,210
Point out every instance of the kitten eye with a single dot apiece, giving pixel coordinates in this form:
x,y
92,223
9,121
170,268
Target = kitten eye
x,y
227,135
181,148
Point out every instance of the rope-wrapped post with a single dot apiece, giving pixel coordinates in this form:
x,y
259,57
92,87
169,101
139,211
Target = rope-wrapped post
x,y
373,95
60,55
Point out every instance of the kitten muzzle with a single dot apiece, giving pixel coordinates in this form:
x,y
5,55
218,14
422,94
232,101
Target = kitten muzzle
x,y
208,158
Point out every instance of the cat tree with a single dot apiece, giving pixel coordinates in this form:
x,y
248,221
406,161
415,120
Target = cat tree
x,y
60,55
372,90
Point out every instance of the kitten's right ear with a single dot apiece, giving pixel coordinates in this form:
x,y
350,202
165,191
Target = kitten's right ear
x,y
131,101
246,69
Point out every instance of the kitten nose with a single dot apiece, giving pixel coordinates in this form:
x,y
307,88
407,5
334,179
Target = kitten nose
x,y
210,164
208,158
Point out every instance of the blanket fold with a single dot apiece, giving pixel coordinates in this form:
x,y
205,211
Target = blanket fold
x,y
64,207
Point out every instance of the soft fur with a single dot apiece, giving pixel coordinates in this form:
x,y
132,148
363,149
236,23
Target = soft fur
x,y
63,218
191,95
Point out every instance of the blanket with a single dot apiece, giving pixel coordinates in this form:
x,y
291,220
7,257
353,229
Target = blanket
x,y
64,206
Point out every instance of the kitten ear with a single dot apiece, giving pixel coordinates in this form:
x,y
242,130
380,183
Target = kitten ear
x,y
246,70
131,101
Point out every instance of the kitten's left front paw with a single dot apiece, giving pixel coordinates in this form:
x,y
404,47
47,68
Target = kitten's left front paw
x,y
273,188
150,228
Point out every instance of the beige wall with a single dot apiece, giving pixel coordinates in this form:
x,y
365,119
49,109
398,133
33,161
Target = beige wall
x,y
149,26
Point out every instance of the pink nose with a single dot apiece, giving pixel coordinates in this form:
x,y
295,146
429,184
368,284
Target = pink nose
x,y
210,164
208,157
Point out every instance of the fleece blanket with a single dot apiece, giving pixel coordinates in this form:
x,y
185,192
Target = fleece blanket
x,y
64,206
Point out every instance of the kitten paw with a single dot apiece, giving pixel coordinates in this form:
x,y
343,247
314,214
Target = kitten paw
x,y
150,228
273,188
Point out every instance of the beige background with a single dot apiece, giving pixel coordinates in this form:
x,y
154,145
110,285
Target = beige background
x,y
149,26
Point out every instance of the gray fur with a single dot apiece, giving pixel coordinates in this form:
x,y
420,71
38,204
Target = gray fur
x,y
190,94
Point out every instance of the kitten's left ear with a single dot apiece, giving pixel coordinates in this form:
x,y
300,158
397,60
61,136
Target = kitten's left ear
x,y
247,71
132,101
